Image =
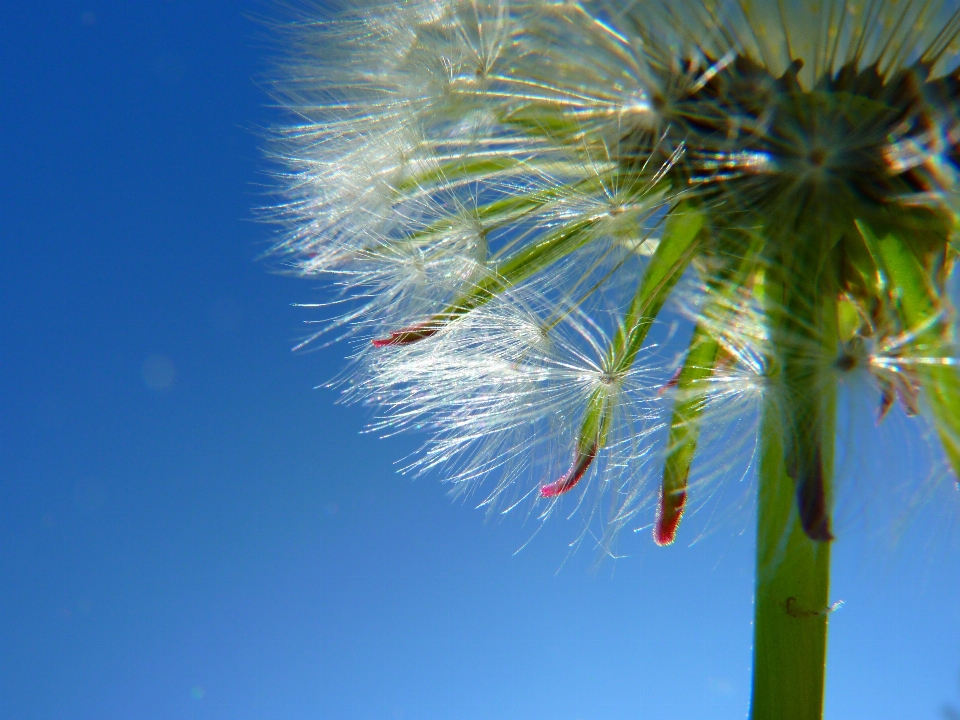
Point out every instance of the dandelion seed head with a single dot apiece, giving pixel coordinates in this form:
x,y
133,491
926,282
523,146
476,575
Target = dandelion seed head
x,y
506,198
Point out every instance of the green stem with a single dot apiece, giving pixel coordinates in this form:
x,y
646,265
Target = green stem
x,y
794,494
790,635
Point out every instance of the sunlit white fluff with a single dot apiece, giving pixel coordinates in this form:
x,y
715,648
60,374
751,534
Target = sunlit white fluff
x,y
500,394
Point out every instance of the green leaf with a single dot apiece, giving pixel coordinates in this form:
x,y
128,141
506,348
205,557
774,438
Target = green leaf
x,y
534,258
665,268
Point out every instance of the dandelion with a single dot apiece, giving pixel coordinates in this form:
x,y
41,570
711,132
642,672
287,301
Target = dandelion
x,y
508,197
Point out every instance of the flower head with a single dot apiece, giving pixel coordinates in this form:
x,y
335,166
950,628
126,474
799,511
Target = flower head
x,y
507,195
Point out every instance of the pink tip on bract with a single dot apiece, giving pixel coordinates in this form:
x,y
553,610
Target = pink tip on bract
x,y
572,476
669,513
406,336
387,341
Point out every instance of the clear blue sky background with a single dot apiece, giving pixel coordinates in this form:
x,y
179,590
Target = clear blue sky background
x,y
189,530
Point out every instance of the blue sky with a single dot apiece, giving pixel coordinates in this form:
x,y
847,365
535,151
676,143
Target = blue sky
x,y
189,530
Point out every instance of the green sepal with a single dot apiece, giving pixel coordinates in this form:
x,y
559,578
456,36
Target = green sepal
x,y
596,422
518,267
691,395
704,354
668,263
460,169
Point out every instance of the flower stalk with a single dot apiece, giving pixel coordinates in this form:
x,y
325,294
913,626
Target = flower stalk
x,y
793,495
791,597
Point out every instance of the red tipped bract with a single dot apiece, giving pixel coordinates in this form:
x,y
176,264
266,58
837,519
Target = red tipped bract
x,y
572,476
407,336
669,513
